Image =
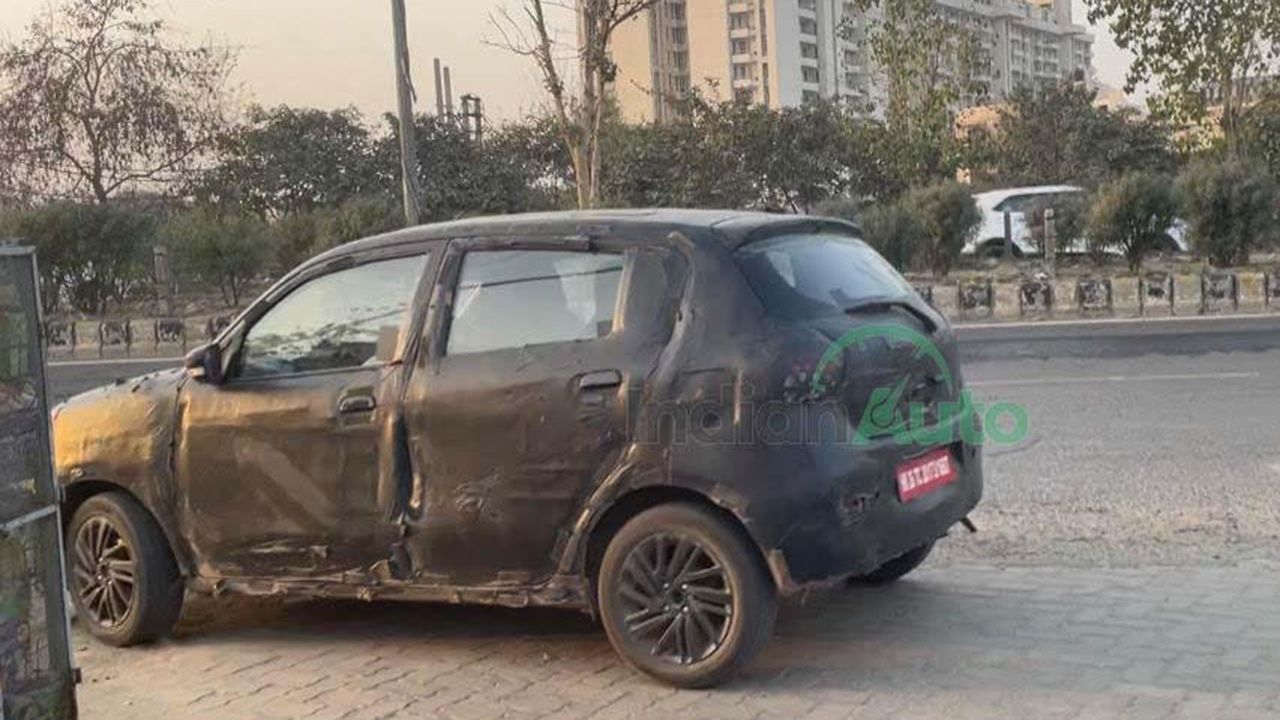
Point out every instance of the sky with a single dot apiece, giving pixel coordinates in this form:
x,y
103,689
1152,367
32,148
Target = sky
x,y
336,53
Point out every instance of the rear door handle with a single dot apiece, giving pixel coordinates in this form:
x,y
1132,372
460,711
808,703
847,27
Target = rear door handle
x,y
600,380
356,404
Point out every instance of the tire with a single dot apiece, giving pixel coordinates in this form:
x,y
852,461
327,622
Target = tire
x,y
112,537
994,250
1168,246
895,569
730,596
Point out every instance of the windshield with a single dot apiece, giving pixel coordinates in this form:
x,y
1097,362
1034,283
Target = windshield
x,y
807,276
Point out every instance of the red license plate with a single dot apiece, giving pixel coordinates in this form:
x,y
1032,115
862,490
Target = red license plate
x,y
925,474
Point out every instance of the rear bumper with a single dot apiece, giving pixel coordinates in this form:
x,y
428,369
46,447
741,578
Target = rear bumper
x,y
858,523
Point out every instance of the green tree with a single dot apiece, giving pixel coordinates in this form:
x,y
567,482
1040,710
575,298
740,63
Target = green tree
x,y
1132,214
931,62
890,227
219,248
91,256
740,155
655,165
97,99
948,219
1202,53
1070,220
462,177
895,231
1262,129
360,218
1057,136
531,150
299,236
1231,208
287,160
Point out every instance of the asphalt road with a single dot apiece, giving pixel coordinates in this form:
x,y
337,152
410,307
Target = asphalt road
x,y
1150,443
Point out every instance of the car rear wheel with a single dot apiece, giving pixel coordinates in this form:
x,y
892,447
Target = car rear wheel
x,y
895,569
684,596
121,573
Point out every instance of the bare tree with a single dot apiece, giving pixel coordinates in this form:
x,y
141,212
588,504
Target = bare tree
x,y
97,99
578,115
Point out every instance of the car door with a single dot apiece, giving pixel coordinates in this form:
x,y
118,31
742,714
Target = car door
x,y
278,464
523,399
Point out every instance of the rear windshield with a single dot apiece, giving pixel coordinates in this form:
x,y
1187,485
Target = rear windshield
x,y
807,276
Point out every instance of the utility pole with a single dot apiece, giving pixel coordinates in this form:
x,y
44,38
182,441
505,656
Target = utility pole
x,y
439,88
408,143
1051,243
448,92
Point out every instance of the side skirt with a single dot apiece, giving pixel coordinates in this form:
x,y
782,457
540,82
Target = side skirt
x,y
562,591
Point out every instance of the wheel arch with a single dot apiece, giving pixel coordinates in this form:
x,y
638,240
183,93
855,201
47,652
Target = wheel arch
x,y
638,500
996,243
78,493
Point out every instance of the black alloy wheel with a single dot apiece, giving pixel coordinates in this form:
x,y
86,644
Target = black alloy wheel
x,y
684,595
676,597
104,572
123,579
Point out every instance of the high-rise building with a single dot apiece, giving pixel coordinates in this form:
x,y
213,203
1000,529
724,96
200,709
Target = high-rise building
x,y
784,52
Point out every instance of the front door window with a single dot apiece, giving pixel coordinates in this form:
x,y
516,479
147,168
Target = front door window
x,y
346,319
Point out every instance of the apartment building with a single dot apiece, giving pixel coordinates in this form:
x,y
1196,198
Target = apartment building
x,y
784,52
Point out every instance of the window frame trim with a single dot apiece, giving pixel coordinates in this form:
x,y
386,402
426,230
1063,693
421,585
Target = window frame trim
x,y
446,286
409,326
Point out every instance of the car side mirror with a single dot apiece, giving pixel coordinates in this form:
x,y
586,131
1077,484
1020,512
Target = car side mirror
x,y
205,363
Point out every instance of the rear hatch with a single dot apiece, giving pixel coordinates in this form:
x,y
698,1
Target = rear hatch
x,y
863,336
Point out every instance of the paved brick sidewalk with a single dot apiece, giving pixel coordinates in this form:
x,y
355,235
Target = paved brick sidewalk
x,y
958,642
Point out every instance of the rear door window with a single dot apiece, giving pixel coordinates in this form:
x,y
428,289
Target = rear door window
x,y
808,276
516,298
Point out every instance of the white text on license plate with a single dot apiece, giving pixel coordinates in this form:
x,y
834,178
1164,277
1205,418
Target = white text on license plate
x,y
925,474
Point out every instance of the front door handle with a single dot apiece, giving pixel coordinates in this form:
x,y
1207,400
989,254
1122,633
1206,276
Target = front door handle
x,y
356,404
600,380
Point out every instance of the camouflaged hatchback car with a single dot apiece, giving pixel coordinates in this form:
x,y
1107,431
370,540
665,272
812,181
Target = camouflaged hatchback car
x,y
667,419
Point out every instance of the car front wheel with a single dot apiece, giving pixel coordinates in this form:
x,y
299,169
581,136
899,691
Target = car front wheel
x,y
121,573
684,596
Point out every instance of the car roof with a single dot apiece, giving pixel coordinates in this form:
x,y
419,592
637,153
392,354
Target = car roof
x,y
732,227
999,196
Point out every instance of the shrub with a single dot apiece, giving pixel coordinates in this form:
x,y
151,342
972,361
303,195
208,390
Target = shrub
x,y
891,228
89,255
948,218
1070,220
1132,214
297,237
301,235
218,248
1230,207
895,232
360,218
1262,129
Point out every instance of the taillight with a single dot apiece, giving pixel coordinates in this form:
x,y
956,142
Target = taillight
x,y
814,375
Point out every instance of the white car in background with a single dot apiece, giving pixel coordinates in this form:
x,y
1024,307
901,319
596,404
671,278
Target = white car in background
x,y
989,242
